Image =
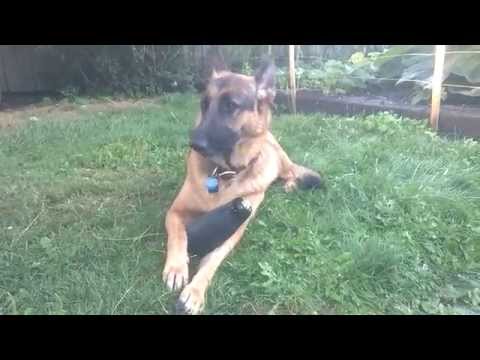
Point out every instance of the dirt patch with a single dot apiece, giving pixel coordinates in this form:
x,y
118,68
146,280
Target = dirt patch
x,y
65,110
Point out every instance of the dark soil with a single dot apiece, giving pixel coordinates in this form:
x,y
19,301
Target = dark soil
x,y
457,119
14,101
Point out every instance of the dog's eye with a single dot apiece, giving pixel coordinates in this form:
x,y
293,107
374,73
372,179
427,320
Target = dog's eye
x,y
230,105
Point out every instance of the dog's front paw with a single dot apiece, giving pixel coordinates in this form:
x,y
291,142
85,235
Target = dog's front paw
x,y
290,185
175,273
191,301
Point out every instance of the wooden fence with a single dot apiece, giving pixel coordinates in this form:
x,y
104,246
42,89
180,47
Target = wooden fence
x,y
32,68
24,69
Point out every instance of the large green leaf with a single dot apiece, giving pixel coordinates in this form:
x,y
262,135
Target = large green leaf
x,y
468,66
403,62
421,71
393,53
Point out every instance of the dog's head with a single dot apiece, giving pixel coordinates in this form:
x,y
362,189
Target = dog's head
x,y
235,116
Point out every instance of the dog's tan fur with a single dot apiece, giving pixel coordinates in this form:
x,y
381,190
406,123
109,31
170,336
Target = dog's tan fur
x,y
270,163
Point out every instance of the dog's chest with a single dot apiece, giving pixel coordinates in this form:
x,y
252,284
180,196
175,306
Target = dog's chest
x,y
210,200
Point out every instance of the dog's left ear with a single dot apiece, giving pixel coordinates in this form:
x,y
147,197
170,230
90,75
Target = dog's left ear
x,y
265,81
216,61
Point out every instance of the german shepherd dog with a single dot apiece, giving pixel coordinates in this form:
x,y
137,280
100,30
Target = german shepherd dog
x,y
231,133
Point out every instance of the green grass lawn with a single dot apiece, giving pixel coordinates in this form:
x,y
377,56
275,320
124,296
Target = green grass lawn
x,y
82,205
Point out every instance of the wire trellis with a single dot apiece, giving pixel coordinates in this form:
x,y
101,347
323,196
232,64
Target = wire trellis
x,y
433,82
423,82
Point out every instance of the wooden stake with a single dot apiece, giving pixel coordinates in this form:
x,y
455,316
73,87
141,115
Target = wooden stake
x,y
291,78
437,85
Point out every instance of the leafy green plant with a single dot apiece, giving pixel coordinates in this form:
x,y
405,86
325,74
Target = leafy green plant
x,y
247,68
70,93
334,76
414,64
135,70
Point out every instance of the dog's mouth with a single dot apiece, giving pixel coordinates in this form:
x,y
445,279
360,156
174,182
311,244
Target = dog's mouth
x,y
222,161
224,164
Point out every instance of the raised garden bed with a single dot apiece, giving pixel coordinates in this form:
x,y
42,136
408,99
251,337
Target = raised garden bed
x,y
461,120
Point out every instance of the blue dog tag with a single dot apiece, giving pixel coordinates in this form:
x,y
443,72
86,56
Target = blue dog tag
x,y
212,184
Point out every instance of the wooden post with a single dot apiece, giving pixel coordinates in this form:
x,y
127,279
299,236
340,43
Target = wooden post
x,y
291,78
270,50
437,85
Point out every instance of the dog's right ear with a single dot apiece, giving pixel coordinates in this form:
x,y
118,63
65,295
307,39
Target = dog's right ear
x,y
265,80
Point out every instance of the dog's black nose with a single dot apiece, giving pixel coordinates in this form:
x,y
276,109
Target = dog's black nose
x,y
199,145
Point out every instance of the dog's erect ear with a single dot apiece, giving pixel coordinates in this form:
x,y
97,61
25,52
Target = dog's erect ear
x,y
265,80
215,61
215,74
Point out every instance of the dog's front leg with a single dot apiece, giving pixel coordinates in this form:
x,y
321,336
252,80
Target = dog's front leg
x,y
192,298
175,273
